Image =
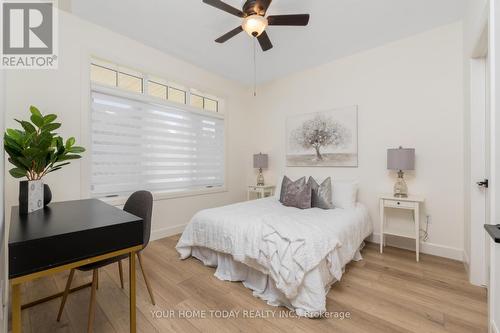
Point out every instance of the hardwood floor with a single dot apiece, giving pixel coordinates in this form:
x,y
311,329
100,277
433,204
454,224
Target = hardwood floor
x,y
382,293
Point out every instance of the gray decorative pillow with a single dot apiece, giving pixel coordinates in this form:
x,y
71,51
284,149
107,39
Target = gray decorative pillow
x,y
284,184
298,194
321,195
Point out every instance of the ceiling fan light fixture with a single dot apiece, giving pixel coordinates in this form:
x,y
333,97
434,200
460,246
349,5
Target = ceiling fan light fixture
x,y
254,25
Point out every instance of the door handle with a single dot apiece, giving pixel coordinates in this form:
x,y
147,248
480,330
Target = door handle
x,y
483,183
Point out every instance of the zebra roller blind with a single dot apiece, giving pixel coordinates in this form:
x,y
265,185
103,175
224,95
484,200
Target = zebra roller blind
x,y
143,145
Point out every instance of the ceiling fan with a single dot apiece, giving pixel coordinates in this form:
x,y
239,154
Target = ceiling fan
x,y
254,20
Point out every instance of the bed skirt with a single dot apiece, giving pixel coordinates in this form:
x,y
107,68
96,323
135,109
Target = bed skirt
x,y
311,297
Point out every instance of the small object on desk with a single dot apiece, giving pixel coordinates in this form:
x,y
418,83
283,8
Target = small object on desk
x,y
401,159
494,231
410,203
260,162
31,196
261,191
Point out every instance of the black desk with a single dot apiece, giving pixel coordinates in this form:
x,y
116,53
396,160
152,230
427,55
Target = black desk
x,y
67,235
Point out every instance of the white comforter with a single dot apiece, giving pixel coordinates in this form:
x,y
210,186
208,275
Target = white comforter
x,y
282,242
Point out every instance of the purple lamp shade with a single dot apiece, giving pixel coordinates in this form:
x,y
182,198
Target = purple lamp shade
x,y
260,161
401,159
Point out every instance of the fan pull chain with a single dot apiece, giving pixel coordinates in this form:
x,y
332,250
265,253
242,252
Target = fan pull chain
x,y
254,69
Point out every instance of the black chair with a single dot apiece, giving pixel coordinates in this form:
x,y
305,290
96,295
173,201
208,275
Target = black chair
x,y
139,204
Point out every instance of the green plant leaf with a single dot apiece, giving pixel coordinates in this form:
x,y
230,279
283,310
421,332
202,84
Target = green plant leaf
x,y
70,142
34,111
49,118
17,173
37,120
62,164
76,150
51,127
15,134
68,157
54,169
27,126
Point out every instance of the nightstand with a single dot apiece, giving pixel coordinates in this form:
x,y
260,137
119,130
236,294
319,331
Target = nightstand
x,y
261,191
413,231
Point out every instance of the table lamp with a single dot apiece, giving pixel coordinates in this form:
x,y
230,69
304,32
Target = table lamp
x,y
260,162
401,159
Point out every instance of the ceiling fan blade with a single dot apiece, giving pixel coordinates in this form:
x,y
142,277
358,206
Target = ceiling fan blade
x,y
296,19
229,35
225,7
264,41
263,5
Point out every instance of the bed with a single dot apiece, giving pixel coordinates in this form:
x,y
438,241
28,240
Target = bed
x,y
287,256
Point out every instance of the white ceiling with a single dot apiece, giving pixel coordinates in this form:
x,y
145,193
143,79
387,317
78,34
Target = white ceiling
x,y
337,28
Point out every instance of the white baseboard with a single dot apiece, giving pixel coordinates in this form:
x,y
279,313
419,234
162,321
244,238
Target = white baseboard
x,y
465,259
494,328
428,248
166,232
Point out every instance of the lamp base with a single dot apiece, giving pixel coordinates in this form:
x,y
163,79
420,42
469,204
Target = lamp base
x,y
260,178
400,187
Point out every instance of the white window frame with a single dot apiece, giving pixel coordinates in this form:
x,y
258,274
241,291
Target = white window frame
x,y
86,162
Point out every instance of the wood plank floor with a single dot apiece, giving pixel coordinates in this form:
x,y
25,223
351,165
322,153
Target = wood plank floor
x,y
382,293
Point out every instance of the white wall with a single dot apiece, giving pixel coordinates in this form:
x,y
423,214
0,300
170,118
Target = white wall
x,y
3,236
65,92
409,93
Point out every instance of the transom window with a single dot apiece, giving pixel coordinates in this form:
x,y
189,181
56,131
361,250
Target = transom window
x,y
108,74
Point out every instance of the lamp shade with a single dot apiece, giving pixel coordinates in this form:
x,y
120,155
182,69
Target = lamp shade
x,y
401,158
260,161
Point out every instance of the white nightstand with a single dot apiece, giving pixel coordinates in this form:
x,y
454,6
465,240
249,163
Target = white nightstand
x,y
410,203
261,191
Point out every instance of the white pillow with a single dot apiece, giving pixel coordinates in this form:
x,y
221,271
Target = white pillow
x,y
344,193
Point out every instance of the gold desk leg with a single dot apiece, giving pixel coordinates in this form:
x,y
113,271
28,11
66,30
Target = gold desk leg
x,y
16,308
132,292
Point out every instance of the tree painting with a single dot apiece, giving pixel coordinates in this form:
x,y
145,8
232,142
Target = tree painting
x,y
320,132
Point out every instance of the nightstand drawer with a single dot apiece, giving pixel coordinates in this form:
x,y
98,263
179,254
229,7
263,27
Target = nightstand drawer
x,y
399,204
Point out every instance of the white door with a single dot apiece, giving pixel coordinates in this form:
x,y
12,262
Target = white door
x,y
480,160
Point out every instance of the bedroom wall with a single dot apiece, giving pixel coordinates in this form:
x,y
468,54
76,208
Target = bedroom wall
x,y
3,243
409,93
63,92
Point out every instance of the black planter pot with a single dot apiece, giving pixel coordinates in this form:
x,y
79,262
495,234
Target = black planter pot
x,y
47,195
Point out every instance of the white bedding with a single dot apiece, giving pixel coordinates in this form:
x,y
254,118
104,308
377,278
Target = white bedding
x,y
290,256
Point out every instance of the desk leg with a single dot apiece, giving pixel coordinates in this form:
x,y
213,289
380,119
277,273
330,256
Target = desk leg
x,y
133,324
382,217
16,308
417,231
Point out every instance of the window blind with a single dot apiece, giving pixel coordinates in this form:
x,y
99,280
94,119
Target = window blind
x,y
138,145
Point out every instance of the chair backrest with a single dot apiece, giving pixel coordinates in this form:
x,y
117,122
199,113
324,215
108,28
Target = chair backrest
x,y
140,204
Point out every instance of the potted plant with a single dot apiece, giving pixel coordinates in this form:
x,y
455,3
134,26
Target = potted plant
x,y
36,151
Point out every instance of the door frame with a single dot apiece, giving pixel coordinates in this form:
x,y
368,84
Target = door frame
x,y
482,155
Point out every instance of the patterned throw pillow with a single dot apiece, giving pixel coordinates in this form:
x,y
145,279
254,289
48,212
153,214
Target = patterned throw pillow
x,y
297,194
321,196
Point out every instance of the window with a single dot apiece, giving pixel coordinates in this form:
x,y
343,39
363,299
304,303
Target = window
x,y
204,103
108,74
176,95
147,144
196,101
102,75
157,90
130,82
